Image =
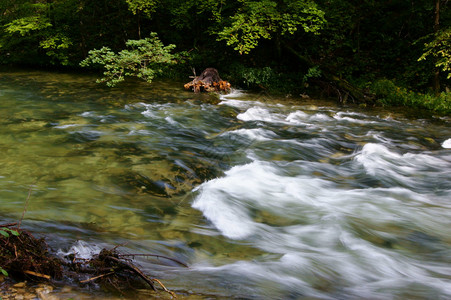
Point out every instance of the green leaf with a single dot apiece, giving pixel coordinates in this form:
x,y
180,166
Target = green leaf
x,y
3,271
4,233
14,232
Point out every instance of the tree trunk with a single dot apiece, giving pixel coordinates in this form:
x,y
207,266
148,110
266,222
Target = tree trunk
x,y
208,81
436,83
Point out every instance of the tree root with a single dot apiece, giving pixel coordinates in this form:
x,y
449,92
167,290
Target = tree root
x,y
23,256
208,81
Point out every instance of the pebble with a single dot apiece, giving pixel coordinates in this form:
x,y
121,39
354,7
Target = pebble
x,y
19,285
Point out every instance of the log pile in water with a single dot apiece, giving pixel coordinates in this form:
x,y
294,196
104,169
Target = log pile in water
x,y
208,81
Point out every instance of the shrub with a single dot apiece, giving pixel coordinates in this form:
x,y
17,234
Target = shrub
x,y
144,59
388,93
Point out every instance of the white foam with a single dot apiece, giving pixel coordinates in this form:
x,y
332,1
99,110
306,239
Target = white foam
x,y
320,117
141,132
231,220
149,113
298,117
447,144
67,126
81,250
171,121
255,134
348,116
234,93
378,159
226,201
242,104
88,114
136,105
261,114
151,110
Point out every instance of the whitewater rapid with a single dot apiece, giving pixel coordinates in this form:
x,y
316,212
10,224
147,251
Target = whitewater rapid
x,y
335,200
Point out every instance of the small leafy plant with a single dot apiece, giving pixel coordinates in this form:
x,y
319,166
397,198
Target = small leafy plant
x,y
144,59
6,233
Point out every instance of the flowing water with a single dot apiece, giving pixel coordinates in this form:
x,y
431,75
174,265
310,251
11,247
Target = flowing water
x,y
263,198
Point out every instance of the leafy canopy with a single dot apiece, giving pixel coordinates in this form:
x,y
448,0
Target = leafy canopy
x,y
257,20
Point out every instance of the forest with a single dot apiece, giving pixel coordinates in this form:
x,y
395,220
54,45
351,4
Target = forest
x,y
388,52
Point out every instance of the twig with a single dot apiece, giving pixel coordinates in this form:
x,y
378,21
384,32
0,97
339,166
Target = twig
x,y
156,255
120,245
165,289
9,224
26,204
96,277
37,274
134,269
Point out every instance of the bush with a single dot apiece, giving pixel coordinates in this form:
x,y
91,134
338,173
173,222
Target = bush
x,y
144,59
388,93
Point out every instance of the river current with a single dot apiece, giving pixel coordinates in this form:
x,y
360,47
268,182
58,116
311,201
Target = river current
x,y
263,198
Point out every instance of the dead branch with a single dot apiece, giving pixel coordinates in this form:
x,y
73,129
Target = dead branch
x,y
96,277
37,274
165,289
133,269
26,204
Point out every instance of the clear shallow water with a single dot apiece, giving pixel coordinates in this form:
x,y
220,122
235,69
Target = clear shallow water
x,y
263,198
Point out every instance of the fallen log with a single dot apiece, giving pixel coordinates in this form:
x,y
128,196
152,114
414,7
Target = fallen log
x,y
208,81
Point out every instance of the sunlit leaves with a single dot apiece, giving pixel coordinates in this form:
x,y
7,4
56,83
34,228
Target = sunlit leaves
x,y
256,20
56,47
24,25
147,7
144,59
440,49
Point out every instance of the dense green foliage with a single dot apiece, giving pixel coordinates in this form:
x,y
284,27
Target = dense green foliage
x,y
292,46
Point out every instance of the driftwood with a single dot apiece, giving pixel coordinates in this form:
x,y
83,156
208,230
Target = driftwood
x,y
208,81
22,256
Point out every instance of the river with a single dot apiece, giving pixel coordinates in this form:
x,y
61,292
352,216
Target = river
x,y
263,197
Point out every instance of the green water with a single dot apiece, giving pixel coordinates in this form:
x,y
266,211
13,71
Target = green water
x,y
264,198
102,171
